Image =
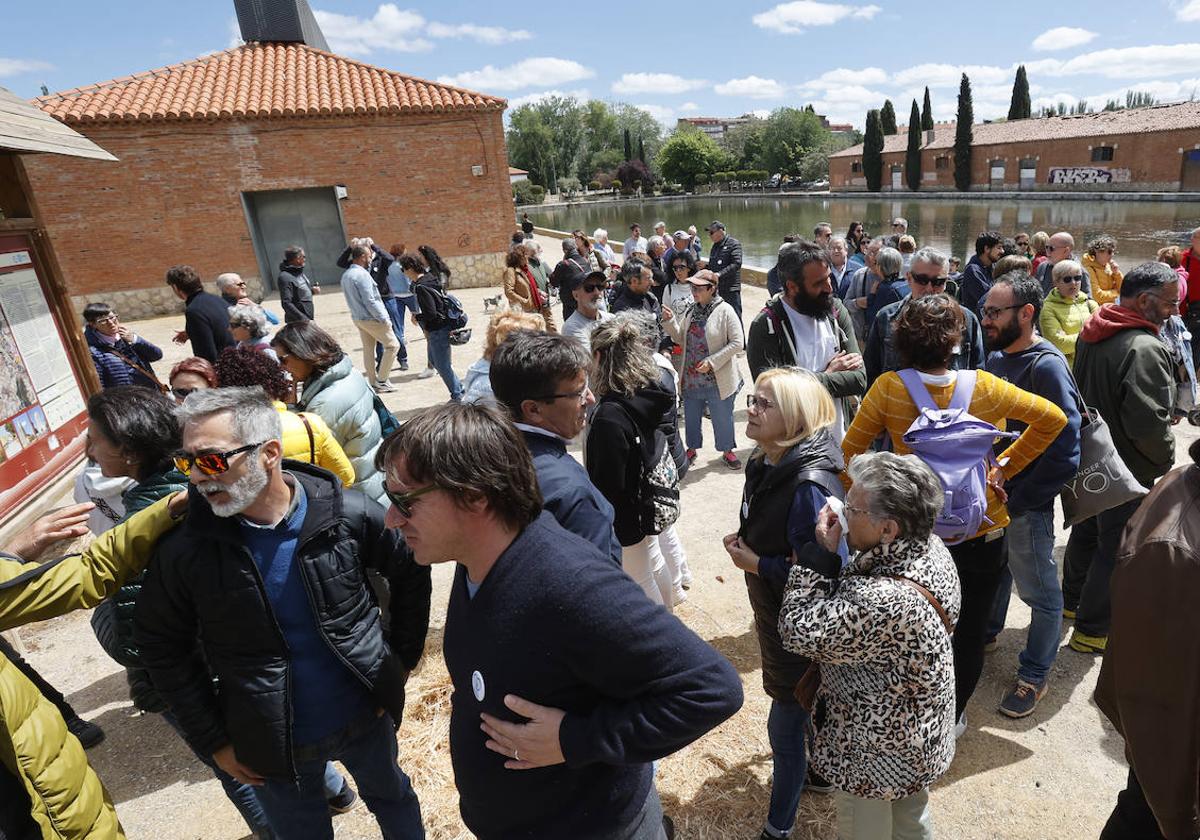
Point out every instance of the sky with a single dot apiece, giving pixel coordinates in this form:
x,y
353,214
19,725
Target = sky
x,y
713,59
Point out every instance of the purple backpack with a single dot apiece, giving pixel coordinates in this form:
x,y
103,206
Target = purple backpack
x,y
958,448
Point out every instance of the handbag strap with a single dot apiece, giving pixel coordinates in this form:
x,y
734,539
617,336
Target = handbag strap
x,y
312,446
149,374
928,596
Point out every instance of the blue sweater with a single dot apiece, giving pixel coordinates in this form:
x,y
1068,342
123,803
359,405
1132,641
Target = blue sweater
x,y
554,624
1042,370
802,530
569,495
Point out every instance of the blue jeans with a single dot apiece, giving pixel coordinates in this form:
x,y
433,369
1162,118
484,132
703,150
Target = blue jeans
x,y
367,748
1031,565
694,400
439,352
395,311
787,725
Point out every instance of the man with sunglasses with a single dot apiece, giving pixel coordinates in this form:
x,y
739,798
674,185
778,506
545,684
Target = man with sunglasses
x,y
542,381
1060,247
265,586
927,275
588,314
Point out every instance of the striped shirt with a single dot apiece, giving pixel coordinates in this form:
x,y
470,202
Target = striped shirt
x,y
887,406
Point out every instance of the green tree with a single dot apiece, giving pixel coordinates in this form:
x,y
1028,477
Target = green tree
x,y
963,135
926,113
887,118
790,133
872,159
641,149
640,124
628,146
601,136
688,155
1020,108
912,157
546,138
743,143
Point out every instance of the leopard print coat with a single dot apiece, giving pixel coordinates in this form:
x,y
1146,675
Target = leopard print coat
x,y
887,666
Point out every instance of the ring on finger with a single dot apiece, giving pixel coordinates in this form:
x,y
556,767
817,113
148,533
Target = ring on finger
x,y
516,754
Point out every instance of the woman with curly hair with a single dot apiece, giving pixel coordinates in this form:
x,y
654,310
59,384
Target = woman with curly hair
x,y
521,287
1102,269
927,333
477,386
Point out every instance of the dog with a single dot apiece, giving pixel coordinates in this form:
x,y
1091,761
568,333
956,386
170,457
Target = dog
x,y
490,303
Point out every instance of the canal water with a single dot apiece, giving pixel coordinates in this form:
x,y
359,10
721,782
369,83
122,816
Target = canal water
x,y
1140,227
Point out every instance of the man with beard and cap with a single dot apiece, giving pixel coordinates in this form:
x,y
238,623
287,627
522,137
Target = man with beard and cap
x,y
588,314
926,276
807,326
265,585
1126,373
1025,359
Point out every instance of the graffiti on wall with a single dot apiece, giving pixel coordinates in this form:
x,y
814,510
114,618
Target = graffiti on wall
x,y
1087,175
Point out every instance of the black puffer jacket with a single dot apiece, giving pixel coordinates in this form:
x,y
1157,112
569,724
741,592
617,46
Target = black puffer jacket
x,y
204,589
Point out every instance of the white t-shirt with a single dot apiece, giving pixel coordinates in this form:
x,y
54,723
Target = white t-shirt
x,y
635,243
816,344
580,327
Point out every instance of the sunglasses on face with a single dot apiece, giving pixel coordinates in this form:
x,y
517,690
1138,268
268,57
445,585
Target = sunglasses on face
x,y
211,463
182,393
592,287
928,280
404,501
1074,278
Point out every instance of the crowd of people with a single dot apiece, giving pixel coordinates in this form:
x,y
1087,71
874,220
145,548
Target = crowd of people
x,y
264,529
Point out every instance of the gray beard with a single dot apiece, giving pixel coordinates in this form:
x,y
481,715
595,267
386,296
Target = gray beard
x,y
242,493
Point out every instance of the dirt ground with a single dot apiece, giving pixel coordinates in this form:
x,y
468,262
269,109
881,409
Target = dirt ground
x,y
1054,774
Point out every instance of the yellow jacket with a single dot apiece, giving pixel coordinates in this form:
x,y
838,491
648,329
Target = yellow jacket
x,y
1106,281
68,799
322,450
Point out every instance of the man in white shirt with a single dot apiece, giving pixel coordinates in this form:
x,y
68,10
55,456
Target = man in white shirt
x,y
636,242
588,314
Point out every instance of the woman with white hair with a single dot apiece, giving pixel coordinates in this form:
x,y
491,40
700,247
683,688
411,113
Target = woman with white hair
x,y
880,635
600,240
248,325
1066,309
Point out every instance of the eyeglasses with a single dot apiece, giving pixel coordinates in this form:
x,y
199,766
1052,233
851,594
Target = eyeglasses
x,y
927,280
592,287
679,267
403,501
991,313
758,403
580,395
863,511
182,393
211,463
110,318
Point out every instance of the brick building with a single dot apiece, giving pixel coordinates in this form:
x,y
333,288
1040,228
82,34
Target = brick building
x,y
1152,149
228,159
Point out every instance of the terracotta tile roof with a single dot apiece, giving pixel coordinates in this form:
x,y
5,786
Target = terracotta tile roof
x,y
1181,115
256,81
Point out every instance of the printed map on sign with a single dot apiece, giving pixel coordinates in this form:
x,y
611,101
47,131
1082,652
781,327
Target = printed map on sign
x,y
16,391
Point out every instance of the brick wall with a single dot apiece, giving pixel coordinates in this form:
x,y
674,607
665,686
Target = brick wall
x,y
175,196
1154,162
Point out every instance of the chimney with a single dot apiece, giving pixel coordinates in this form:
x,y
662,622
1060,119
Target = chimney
x,y
287,21
928,136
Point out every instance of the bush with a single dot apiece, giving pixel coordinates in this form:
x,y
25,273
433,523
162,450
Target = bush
x,y
626,191
570,186
526,192
595,185
538,193
702,179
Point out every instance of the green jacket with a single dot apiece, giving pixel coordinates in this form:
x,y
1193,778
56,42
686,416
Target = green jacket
x,y
68,799
1126,374
1061,320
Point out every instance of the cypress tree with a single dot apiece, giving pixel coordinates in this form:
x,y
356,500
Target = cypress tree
x,y
1021,108
628,146
926,113
641,150
872,159
963,136
887,118
912,158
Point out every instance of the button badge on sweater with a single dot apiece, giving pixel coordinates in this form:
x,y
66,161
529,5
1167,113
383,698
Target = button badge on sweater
x,y
477,685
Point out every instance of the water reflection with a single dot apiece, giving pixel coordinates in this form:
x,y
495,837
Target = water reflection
x,y
1140,227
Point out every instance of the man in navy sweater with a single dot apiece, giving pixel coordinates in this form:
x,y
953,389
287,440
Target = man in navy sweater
x,y
1010,312
205,318
542,380
568,681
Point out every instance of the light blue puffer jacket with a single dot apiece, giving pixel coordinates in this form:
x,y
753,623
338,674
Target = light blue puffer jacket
x,y
343,399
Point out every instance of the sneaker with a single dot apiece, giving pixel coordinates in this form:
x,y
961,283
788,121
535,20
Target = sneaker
x,y
731,460
403,366
425,374
991,644
344,801
691,456
686,581
1069,615
1084,643
814,782
960,726
88,733
384,388
1023,698
678,596
668,827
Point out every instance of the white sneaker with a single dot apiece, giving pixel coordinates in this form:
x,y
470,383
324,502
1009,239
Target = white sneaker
x,y
425,374
384,388
960,727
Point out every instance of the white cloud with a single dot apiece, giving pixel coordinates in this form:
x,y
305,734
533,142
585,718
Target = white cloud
x,y
391,28
689,109
761,113
235,33
1063,38
482,34
752,87
632,84
845,76
21,66
580,94
1189,12
849,103
1147,62
793,18
949,75
528,72
663,113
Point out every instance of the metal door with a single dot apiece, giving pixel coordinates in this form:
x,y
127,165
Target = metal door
x,y
309,218
1189,181
897,177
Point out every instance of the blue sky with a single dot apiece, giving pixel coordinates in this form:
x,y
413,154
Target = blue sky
x,y
715,59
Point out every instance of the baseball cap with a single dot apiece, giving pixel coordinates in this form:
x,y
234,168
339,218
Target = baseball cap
x,y
703,277
681,234
714,225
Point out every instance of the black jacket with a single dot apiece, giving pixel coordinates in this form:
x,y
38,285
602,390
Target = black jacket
x,y
725,260
569,272
429,295
203,613
295,293
206,320
381,261
766,505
